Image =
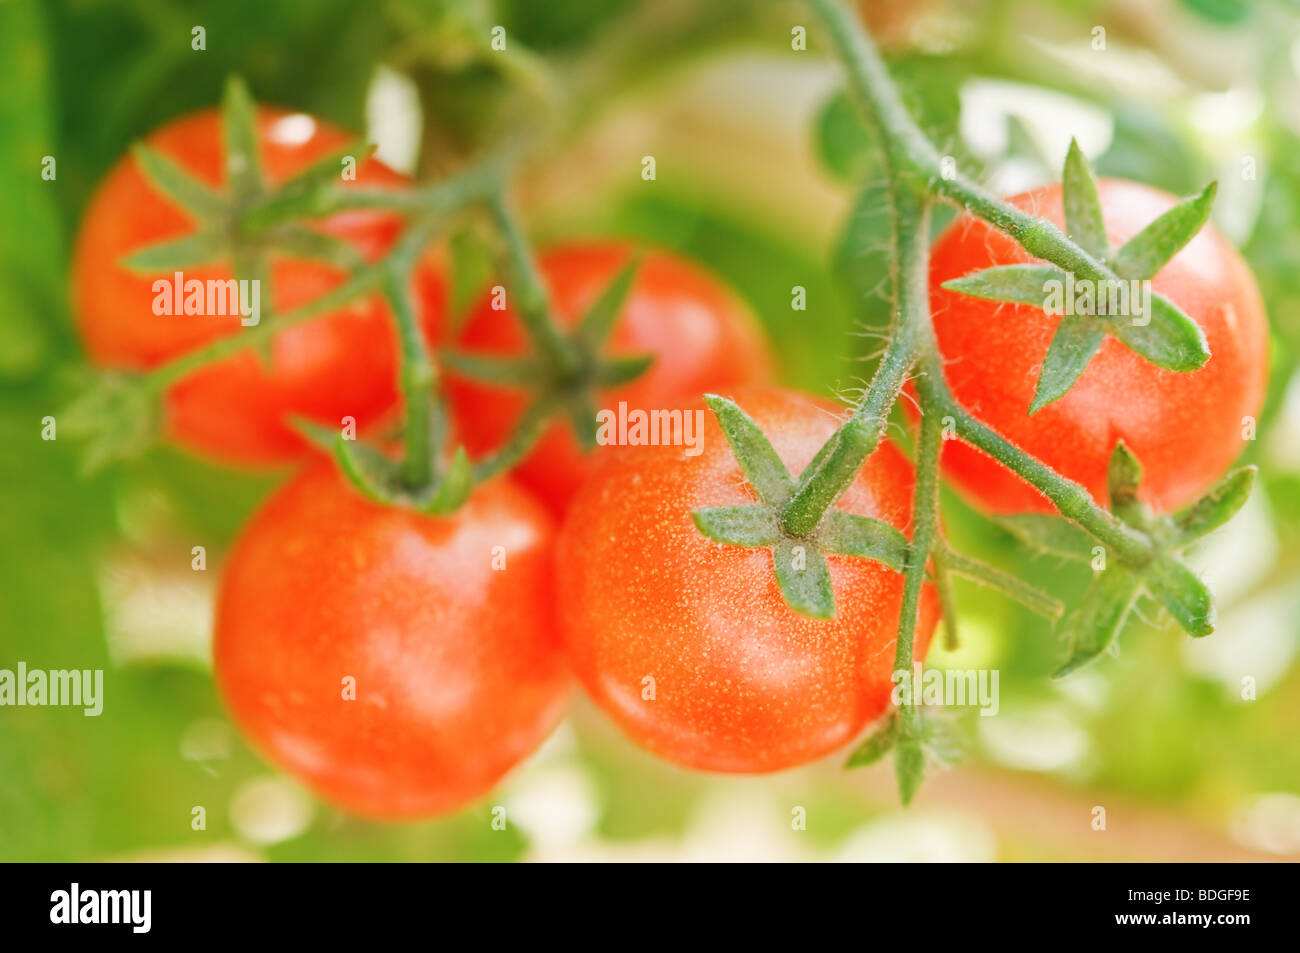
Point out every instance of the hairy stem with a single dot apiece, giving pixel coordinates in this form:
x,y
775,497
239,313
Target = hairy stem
x,y
1073,501
912,154
821,485
925,531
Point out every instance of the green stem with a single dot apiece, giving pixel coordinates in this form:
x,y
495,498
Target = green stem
x,y
925,531
532,300
821,485
417,379
1070,498
913,155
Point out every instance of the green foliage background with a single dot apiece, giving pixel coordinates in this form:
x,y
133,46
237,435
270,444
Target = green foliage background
x,y
79,80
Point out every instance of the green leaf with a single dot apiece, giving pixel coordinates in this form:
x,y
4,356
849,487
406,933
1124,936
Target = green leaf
x,y
1123,475
620,370
804,579
507,371
197,249
878,744
854,535
1050,534
1143,255
375,475
909,768
1019,284
596,325
1083,219
1217,506
1169,339
758,461
239,127
117,415
754,525
305,195
302,242
1180,591
196,197
321,437
454,486
1105,607
1075,342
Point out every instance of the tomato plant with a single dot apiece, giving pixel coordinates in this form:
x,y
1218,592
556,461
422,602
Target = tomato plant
x,y
237,410
698,333
1185,428
398,663
688,643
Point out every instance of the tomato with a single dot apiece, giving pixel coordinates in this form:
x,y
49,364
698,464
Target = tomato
x,y
340,364
456,663
1185,428
701,337
688,644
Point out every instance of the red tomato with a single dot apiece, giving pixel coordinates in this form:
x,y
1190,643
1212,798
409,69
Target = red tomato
x,y
688,644
702,338
456,663
1185,428
340,364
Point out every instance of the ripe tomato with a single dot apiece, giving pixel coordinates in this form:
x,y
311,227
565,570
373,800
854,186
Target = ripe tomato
x,y
1185,428
456,663
340,364
688,643
701,336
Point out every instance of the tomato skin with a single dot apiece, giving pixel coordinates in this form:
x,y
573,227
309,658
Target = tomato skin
x,y
458,668
742,683
1185,428
702,337
340,364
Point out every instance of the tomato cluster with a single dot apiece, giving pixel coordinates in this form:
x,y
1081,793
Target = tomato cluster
x,y
401,663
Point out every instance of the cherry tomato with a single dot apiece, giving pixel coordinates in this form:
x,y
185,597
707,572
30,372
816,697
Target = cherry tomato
x,y
702,339
341,364
1185,428
399,664
688,644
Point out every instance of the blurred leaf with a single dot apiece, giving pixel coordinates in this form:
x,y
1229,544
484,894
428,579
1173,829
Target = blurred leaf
x,y
1183,594
878,744
1050,534
1099,619
1217,506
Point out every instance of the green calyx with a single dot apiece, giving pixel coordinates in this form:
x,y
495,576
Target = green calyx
x,y
798,559
569,374
1111,300
248,222
384,479
1116,586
